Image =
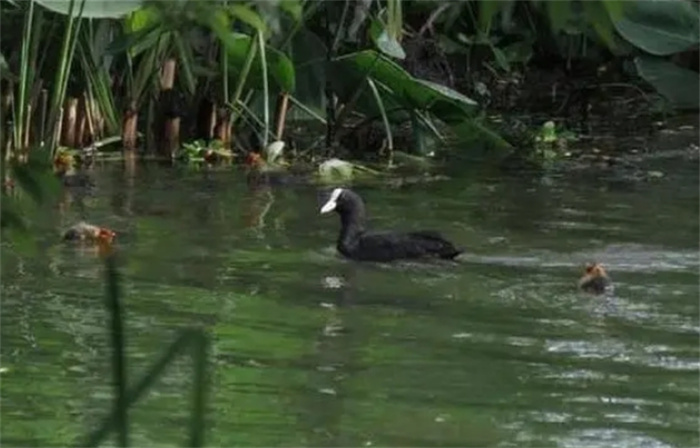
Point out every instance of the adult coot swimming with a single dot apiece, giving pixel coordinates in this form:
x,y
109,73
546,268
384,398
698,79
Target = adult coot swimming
x,y
356,243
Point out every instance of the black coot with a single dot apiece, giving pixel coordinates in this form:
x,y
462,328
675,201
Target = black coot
x,y
356,243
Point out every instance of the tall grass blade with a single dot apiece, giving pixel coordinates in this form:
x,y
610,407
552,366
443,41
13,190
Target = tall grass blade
x,y
252,50
118,360
132,395
61,82
200,354
98,81
21,102
307,109
266,93
382,111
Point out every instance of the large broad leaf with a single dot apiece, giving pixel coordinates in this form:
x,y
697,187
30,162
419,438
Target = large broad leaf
x,y
346,83
660,27
278,64
414,93
294,8
248,16
480,138
142,18
94,9
308,53
599,18
385,42
678,85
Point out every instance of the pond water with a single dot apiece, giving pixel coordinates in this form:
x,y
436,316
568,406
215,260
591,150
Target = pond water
x,y
312,350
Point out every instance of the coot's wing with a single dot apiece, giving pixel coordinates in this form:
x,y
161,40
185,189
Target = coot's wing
x,y
434,243
427,235
387,246
383,246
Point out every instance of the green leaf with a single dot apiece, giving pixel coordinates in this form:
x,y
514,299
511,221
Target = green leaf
x,y
487,11
3,63
678,85
136,42
472,132
35,177
10,217
384,41
519,52
247,15
94,9
15,229
279,65
307,51
5,70
501,58
412,92
142,18
390,46
559,15
660,27
292,7
615,8
597,16
335,170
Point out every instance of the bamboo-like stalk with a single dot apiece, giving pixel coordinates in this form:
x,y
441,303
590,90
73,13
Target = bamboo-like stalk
x,y
282,114
27,128
89,119
70,122
243,77
385,120
23,77
224,60
150,119
5,104
66,59
81,122
44,100
129,128
170,128
58,128
211,127
266,94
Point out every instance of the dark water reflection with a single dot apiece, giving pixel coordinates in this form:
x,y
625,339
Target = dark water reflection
x,y
309,349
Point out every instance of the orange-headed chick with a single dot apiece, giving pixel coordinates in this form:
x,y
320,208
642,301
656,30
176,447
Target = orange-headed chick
x,y
210,156
62,163
85,232
254,160
595,280
104,242
8,184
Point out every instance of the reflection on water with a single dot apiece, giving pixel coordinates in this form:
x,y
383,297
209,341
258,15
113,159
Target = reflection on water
x,y
310,349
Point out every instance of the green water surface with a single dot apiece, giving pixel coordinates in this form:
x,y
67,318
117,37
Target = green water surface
x,y
312,350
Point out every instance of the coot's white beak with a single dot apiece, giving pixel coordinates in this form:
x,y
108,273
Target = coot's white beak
x,y
329,206
332,201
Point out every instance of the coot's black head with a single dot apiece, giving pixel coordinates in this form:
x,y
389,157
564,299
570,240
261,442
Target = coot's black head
x,y
347,204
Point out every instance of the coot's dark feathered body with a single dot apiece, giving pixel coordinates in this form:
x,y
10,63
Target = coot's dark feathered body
x,y
356,243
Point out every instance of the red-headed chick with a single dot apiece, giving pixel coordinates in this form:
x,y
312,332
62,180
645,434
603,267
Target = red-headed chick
x,y
595,280
85,232
254,160
62,163
104,242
